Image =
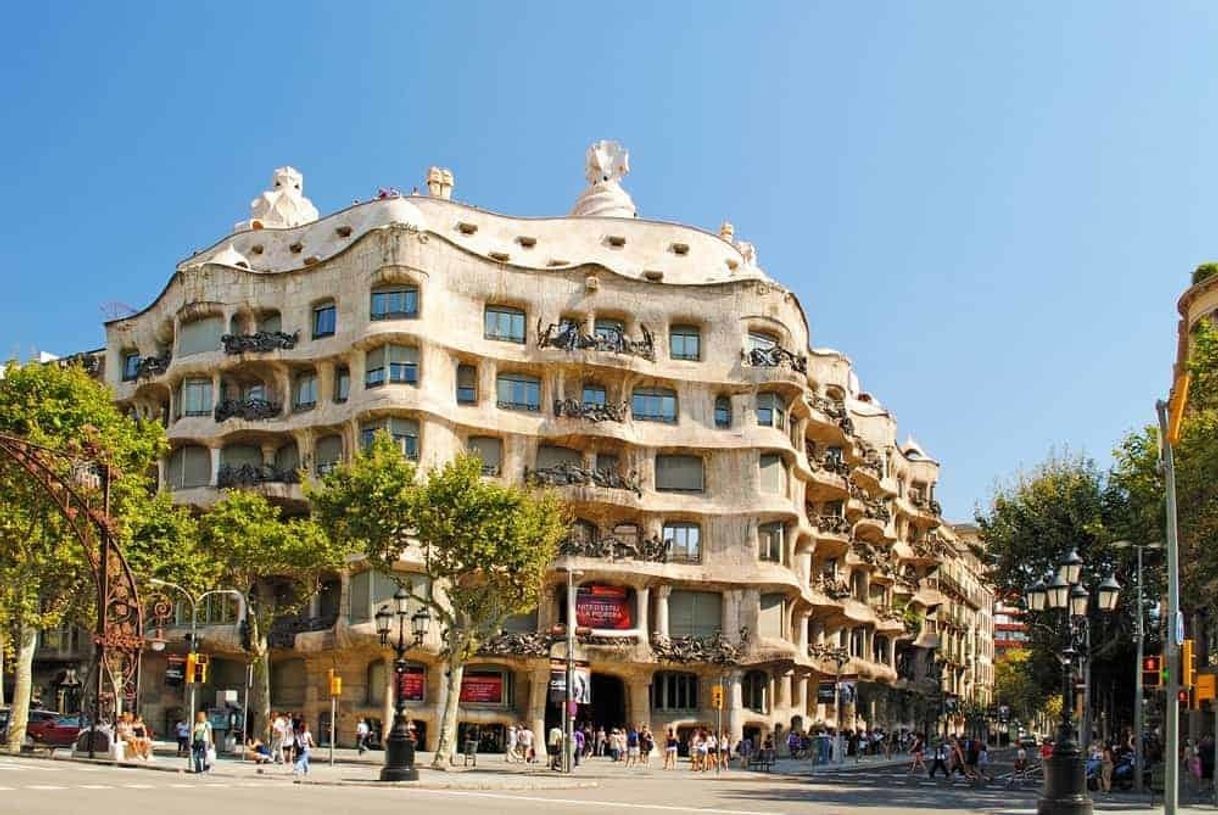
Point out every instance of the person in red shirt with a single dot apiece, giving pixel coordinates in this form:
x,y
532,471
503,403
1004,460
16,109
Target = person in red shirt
x,y
1046,749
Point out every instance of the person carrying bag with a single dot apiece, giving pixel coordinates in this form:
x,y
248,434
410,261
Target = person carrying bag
x,y
202,745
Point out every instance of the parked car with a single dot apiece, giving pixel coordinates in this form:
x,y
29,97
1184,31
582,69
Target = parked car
x,y
37,721
56,731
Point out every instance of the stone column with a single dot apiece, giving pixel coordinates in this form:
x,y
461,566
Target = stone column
x,y
539,685
782,696
802,633
661,621
215,464
642,605
268,453
801,697
638,687
735,707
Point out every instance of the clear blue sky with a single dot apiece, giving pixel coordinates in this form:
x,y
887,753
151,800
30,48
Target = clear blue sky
x,y
991,207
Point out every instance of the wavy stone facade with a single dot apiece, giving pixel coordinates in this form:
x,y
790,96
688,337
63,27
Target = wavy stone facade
x,y
743,508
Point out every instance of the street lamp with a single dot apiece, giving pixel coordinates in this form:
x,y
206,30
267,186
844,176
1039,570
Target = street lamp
x,y
1138,703
399,747
1065,791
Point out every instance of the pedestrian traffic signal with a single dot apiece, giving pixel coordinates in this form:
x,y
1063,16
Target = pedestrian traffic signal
x,y
1187,669
335,682
196,669
717,697
1152,671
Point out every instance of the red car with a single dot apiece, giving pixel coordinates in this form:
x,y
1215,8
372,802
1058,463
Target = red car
x,y
50,729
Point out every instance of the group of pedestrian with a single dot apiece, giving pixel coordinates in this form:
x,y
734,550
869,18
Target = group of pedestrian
x,y
708,750
291,742
966,756
135,735
519,748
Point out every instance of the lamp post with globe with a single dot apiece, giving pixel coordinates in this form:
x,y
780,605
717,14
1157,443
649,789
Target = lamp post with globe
x,y
399,747
1065,790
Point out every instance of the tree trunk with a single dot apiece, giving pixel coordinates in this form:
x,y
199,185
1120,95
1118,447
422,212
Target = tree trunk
x,y
390,705
448,721
23,686
260,690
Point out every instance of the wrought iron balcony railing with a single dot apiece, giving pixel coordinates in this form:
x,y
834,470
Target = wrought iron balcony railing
x,y
774,357
259,341
592,412
715,649
249,409
608,547
517,644
833,524
153,366
284,630
251,475
561,475
833,587
568,337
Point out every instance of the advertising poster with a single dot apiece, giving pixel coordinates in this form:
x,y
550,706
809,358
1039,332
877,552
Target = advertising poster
x,y
581,690
848,692
603,607
824,692
175,670
484,687
412,683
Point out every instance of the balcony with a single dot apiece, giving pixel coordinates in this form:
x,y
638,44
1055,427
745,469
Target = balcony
x,y
711,650
251,410
832,587
517,644
833,525
250,475
611,548
284,630
835,410
832,464
259,342
591,411
153,366
568,337
568,474
775,356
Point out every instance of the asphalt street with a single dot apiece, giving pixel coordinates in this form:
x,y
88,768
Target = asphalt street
x,y
35,787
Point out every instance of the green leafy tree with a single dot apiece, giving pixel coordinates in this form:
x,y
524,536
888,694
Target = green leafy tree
x,y
1016,686
45,578
1031,524
276,562
485,546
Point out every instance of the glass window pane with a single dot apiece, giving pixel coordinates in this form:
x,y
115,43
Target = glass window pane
x,y
684,542
395,303
773,474
594,395
324,320
723,412
518,392
342,384
553,456
490,449
504,323
684,342
131,365
467,384
761,341
679,473
654,405
200,336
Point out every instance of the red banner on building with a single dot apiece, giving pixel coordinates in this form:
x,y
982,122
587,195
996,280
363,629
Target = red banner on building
x,y
604,607
412,683
484,687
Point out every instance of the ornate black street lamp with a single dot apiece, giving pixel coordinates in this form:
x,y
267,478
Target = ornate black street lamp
x,y
1065,791
399,747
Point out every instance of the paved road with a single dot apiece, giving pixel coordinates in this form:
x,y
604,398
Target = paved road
x,y
33,787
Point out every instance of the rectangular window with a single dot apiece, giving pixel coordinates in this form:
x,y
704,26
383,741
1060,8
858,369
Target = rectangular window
x,y
325,320
695,613
549,455
773,474
771,539
467,384
679,473
771,410
771,615
594,395
404,431
490,450
342,383
270,322
200,336
685,342
398,363
305,395
684,542
608,462
723,412
761,341
328,453
399,302
131,365
654,405
196,397
609,330
518,392
503,323
674,691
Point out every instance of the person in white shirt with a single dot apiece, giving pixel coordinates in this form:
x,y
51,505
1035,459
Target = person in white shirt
x,y
525,737
510,754
279,738
361,736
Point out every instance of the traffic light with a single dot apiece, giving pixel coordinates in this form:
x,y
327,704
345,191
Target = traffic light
x,y
717,697
335,683
1187,670
1151,671
196,669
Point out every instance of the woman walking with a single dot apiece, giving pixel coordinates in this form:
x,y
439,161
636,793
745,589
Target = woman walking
x,y
917,764
304,748
201,741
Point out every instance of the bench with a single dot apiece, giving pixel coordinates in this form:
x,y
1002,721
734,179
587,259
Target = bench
x,y
762,760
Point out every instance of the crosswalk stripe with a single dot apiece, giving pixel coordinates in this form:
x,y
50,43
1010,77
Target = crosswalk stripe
x,y
44,787
95,787
183,786
6,789
139,786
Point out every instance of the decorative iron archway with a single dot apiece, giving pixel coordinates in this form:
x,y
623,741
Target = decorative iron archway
x,y
79,485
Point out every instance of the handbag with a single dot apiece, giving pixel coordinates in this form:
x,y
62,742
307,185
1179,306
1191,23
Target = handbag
x,y
211,756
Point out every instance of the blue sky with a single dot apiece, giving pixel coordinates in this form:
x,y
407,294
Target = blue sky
x,y
991,207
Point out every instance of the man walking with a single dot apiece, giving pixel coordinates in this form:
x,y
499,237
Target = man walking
x,y
554,747
940,762
361,736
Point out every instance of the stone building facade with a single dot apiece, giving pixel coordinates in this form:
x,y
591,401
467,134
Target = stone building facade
x,y
744,509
